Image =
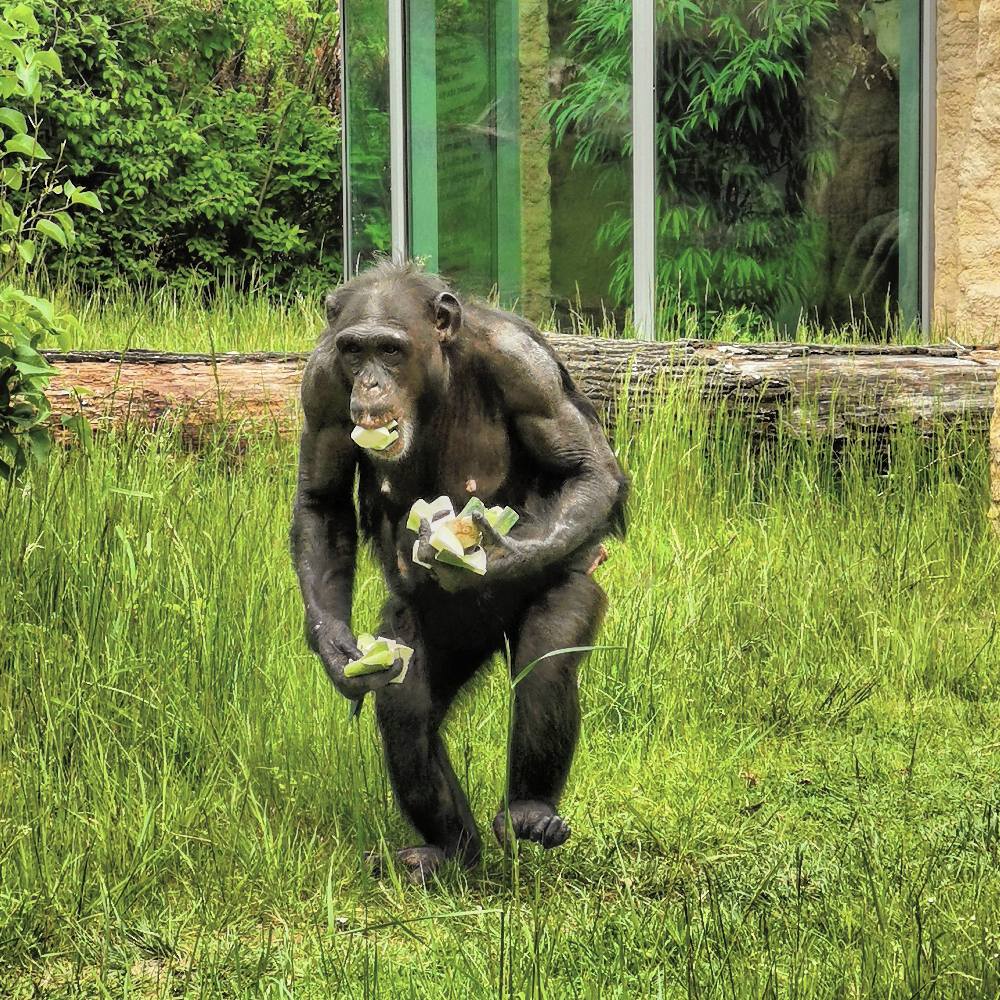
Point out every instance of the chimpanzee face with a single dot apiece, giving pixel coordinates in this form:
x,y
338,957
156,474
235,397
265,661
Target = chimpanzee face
x,y
389,346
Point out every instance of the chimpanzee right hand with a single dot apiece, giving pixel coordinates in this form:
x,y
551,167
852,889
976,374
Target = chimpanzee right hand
x,y
336,647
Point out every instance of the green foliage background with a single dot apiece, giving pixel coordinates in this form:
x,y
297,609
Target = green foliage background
x,y
210,130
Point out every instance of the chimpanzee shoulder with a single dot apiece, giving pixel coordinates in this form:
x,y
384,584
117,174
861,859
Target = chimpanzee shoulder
x,y
520,356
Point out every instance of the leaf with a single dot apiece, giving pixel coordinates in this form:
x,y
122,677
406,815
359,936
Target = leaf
x,y
26,145
27,251
12,177
22,14
28,75
26,368
43,307
48,228
14,120
65,220
49,59
78,197
78,424
40,443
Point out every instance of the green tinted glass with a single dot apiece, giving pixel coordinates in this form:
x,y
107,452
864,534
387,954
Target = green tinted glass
x,y
788,173
366,129
509,187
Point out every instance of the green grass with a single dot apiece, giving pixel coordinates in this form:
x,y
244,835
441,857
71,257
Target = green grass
x,y
786,784
185,320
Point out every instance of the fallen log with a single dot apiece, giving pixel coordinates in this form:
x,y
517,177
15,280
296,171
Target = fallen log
x,y
805,388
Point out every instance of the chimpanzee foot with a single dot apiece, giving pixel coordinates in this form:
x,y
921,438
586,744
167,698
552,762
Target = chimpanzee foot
x,y
419,863
531,819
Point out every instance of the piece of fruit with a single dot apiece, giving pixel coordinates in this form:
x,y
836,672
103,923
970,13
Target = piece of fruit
x,y
443,539
457,539
465,530
502,519
375,438
379,654
473,506
474,559
433,511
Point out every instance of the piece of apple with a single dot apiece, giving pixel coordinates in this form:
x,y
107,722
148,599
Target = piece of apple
x,y
379,654
433,511
375,438
474,560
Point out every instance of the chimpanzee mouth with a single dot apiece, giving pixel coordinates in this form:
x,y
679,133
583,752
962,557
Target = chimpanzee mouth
x,y
382,439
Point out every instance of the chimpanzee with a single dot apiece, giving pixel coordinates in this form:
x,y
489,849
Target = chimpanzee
x,y
483,406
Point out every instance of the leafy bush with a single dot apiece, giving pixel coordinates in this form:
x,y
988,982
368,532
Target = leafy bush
x,y
736,143
40,218
210,131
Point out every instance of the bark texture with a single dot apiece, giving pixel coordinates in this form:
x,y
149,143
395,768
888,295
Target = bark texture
x,y
839,391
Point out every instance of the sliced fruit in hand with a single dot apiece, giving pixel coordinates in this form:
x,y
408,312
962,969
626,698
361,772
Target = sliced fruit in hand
x,y
375,438
474,559
432,511
457,539
379,654
501,519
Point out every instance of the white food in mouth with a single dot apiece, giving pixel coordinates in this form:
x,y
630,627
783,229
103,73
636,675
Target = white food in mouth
x,y
375,438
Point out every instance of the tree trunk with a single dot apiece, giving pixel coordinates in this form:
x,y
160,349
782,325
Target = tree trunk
x,y
837,391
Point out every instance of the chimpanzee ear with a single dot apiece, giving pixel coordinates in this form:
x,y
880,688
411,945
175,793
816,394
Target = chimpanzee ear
x,y
447,316
334,304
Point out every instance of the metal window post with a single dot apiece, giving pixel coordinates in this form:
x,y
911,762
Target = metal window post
x,y
928,158
397,131
644,168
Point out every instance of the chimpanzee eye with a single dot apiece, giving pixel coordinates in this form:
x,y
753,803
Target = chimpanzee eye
x,y
351,348
391,350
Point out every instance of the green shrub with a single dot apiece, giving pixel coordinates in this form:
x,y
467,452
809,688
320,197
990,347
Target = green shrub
x,y
210,131
36,203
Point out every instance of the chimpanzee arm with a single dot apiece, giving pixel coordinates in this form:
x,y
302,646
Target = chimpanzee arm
x,y
324,528
562,439
324,533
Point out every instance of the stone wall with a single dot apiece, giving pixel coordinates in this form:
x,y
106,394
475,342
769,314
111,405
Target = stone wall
x,y
967,184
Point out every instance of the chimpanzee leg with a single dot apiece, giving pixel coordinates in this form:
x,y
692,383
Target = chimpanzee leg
x,y
428,794
547,709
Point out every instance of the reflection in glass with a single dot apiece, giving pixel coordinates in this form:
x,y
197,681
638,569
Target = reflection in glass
x,y
505,195
787,140
463,134
366,130
589,113
787,132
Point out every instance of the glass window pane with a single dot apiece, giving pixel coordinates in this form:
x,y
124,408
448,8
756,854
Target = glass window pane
x,y
457,129
520,178
788,147
366,130
586,124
